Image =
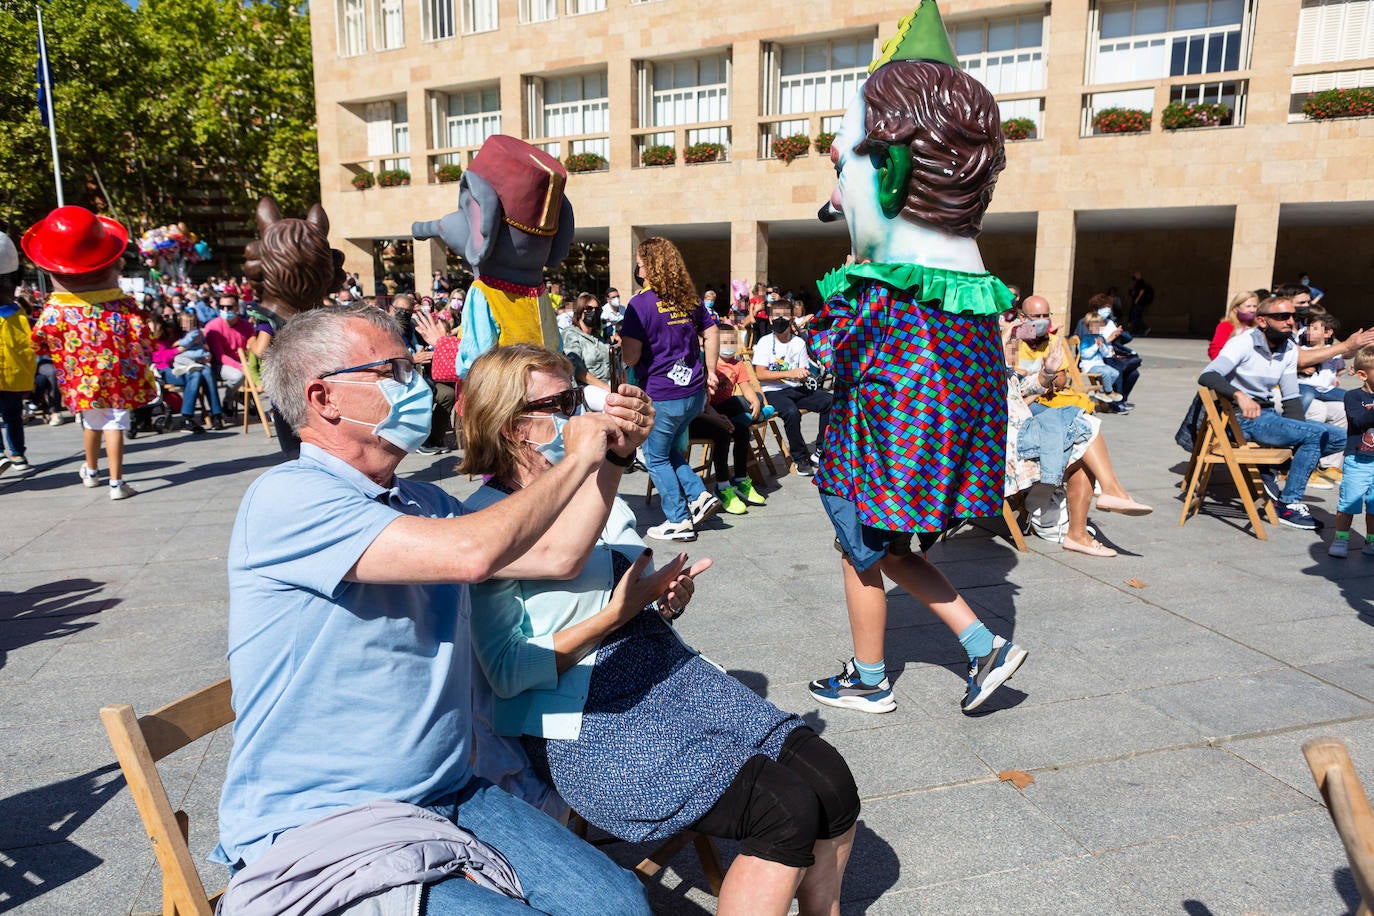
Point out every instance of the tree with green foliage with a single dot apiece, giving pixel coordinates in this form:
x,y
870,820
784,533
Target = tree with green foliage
x,y
174,103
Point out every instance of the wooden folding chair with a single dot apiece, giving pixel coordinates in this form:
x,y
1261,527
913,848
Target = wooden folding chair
x,y
771,424
705,470
252,388
139,742
1220,441
653,863
1349,808
1088,383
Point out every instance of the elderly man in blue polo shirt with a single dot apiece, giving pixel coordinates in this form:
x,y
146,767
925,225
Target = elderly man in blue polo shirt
x,y
349,653
1247,370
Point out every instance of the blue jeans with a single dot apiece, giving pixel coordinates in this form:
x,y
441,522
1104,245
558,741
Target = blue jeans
x,y
1309,393
1310,442
676,482
190,385
559,872
12,419
1111,379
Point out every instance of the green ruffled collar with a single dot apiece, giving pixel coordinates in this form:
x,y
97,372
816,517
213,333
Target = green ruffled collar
x,y
958,292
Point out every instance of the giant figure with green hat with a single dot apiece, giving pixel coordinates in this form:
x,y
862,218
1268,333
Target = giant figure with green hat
x,y
916,439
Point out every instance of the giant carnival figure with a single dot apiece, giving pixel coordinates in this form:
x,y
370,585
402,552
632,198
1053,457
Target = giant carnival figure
x,y
512,222
916,439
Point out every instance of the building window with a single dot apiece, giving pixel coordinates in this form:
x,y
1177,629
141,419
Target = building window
x,y
352,18
472,116
538,10
820,75
578,7
436,19
388,134
690,91
1150,39
1006,55
1335,30
571,106
479,16
391,29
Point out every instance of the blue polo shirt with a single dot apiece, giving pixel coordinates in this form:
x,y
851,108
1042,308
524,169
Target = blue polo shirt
x,y
1252,368
344,692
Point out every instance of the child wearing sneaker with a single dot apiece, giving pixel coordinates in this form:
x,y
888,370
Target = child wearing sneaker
x,y
18,363
1357,472
727,420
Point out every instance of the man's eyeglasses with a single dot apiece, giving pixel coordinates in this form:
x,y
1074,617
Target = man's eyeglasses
x,y
1041,315
565,402
1278,316
400,368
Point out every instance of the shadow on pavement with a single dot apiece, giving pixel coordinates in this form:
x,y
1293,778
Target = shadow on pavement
x,y
34,826
46,611
1356,589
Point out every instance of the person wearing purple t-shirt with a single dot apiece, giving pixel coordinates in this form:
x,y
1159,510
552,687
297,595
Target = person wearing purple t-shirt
x,y
662,336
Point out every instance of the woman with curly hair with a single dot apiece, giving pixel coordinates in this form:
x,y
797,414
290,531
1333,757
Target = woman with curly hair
x,y
662,336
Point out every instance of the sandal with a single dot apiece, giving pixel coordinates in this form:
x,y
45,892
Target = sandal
x,y
1093,548
1123,506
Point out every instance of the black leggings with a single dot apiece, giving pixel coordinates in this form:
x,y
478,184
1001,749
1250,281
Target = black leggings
x,y
779,810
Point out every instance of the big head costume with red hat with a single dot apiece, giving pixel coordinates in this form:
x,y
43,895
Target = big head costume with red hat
x,y
72,240
513,221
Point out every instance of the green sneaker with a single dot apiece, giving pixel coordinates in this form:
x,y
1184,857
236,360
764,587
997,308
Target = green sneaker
x,y
731,502
753,497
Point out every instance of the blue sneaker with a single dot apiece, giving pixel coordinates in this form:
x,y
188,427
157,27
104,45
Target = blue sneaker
x,y
991,671
1295,515
847,691
1271,487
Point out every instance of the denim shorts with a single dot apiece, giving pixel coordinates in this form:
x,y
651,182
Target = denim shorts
x,y
864,546
1357,485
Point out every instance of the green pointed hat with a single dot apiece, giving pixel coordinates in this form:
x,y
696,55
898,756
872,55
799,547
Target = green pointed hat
x,y
920,36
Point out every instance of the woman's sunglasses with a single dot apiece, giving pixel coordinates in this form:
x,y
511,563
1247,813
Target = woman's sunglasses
x,y
565,402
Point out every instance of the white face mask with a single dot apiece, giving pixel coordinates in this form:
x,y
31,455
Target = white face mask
x,y
1104,313
615,302
728,352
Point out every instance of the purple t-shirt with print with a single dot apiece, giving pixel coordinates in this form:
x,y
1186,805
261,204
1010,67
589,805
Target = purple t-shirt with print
x,y
671,365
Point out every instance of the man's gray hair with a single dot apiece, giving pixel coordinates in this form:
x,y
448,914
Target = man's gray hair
x,y
309,345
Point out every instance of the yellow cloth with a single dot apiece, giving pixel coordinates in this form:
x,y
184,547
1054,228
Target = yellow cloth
x,y
1028,360
521,319
18,361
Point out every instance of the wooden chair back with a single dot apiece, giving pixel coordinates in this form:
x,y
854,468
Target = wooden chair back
x,y
139,742
1080,381
252,388
1348,806
1221,442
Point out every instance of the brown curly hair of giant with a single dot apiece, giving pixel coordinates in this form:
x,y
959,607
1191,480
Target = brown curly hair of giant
x,y
667,275
952,126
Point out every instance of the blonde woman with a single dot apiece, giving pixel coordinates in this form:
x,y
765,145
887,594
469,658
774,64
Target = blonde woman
x,y
1240,316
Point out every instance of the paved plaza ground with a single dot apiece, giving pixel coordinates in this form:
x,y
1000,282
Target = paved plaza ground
x,y
1162,724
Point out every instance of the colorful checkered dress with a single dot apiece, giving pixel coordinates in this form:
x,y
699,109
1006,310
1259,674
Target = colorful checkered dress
x,y
917,435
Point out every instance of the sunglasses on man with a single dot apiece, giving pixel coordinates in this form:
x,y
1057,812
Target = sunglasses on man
x,y
399,367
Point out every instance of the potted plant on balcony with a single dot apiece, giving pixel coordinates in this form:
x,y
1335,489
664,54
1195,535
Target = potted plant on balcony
x,y
703,152
363,180
1121,121
391,178
449,171
823,141
658,154
1187,115
585,162
1018,129
1339,103
789,148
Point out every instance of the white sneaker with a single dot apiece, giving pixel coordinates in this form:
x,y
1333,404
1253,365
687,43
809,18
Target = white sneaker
x,y
123,491
673,531
1368,549
1340,548
56,419
4,464
703,507
89,479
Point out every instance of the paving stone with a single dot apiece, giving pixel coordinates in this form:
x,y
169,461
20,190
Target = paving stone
x,y
1253,703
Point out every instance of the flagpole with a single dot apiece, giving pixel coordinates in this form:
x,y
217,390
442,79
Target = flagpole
x,y
47,102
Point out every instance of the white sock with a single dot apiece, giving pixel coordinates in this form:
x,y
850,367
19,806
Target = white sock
x,y
116,483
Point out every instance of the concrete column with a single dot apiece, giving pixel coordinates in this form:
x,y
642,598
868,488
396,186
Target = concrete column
x,y
749,251
358,260
624,242
620,95
430,255
1253,245
1065,59
1056,233
745,60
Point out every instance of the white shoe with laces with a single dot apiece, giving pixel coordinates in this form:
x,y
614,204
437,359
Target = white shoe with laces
x,y
673,531
123,491
89,479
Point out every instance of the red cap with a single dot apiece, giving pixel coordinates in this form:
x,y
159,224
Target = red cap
x,y
73,240
528,180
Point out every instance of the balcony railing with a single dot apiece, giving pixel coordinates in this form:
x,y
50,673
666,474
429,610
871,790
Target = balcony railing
x,y
1153,96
